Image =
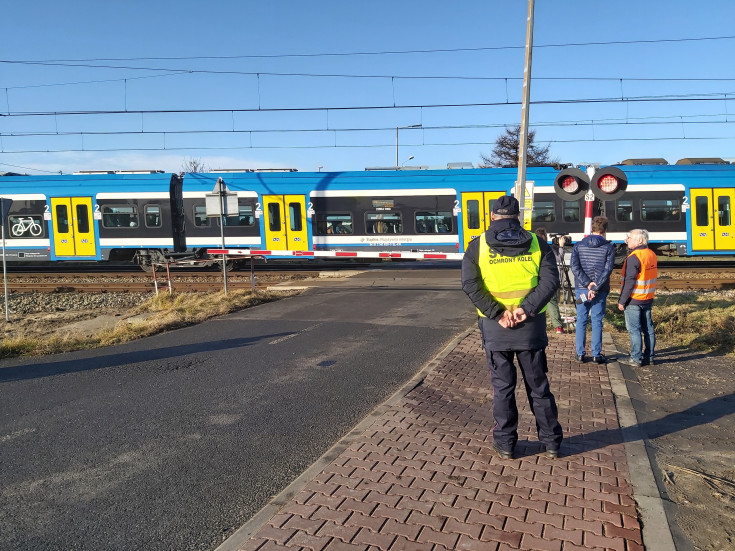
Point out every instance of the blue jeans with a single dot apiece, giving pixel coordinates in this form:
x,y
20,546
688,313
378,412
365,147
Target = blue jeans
x,y
594,311
640,326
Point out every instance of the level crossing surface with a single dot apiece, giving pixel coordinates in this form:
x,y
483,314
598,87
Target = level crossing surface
x,y
174,441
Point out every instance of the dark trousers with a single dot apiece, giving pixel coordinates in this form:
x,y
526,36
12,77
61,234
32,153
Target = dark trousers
x,y
504,378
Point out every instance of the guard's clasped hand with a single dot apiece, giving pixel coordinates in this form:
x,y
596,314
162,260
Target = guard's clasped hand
x,y
511,319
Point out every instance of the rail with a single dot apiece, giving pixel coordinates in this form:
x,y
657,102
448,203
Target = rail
x,y
680,278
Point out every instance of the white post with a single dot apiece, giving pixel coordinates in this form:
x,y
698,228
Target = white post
x,y
5,275
222,199
523,138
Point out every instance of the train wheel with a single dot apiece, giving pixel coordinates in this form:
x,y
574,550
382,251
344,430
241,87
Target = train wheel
x,y
229,265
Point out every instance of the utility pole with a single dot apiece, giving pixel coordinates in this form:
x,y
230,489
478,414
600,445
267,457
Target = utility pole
x,y
520,190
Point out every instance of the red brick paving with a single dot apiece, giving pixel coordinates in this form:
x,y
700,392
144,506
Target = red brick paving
x,y
424,476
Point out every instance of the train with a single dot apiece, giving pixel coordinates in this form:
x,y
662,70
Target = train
x,y
154,217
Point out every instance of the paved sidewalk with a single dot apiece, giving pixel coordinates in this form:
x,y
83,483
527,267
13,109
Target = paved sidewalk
x,y
423,476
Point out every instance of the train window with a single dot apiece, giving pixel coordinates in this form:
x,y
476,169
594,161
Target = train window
x,y
200,216
723,210
571,211
490,205
82,219
62,218
433,222
274,217
624,212
660,209
28,226
294,214
388,222
153,216
701,209
543,211
473,214
244,217
120,216
334,223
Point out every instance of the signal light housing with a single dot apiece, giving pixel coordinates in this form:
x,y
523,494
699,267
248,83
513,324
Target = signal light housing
x,y
571,184
609,183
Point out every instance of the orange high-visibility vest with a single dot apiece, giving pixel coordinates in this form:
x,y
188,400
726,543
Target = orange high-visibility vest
x,y
645,284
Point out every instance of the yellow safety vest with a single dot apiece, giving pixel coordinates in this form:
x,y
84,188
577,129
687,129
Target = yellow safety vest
x,y
645,284
509,279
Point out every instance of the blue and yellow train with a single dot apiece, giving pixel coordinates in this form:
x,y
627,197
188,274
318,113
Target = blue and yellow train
x,y
154,217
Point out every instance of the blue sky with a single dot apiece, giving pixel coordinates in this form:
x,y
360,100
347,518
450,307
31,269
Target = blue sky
x,y
258,91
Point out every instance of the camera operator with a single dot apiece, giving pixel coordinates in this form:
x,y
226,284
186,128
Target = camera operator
x,y
592,263
557,246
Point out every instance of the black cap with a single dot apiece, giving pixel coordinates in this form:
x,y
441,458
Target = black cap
x,y
506,205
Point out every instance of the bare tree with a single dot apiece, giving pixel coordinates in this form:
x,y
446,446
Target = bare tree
x,y
505,152
193,165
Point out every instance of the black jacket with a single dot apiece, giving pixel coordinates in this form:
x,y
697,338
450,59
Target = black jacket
x,y
507,238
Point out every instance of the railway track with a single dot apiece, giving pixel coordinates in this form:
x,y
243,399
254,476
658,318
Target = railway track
x,y
679,278
140,282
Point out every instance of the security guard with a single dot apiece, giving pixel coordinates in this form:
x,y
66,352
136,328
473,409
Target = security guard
x,y
509,275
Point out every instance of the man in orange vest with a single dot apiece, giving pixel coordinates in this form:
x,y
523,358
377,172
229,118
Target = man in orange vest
x,y
640,271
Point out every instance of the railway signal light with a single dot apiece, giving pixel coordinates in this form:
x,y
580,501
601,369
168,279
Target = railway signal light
x,y
571,184
609,183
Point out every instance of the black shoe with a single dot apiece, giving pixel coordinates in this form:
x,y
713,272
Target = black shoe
x,y
552,454
581,359
600,359
630,361
503,454
648,361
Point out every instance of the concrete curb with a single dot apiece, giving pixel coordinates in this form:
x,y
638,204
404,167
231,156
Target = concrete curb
x,y
655,526
246,531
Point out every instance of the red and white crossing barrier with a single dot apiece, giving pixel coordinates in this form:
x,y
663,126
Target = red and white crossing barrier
x,y
338,254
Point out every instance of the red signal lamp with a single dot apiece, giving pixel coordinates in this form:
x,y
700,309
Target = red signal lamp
x,y
609,183
571,184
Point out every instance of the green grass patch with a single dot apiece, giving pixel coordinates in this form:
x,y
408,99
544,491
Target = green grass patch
x,y
701,321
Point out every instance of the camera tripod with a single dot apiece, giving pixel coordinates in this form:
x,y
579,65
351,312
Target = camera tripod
x,y
566,292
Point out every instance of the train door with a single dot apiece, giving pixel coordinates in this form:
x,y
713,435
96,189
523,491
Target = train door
x,y
476,207
724,235
73,226
712,224
285,222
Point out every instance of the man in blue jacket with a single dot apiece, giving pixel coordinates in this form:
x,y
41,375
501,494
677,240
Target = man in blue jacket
x,y
593,260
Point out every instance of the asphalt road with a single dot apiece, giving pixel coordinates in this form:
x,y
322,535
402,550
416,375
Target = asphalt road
x,y
174,441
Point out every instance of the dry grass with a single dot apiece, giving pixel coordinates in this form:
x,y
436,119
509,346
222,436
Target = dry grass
x,y
156,315
698,320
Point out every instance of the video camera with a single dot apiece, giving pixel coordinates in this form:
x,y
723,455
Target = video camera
x,y
555,239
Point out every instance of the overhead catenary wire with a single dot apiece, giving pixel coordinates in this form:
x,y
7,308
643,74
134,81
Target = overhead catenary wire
x,y
360,146
99,63
716,96
630,121
385,52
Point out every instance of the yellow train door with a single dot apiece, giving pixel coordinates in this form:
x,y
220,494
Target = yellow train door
x,y
703,231
74,230
285,222
275,223
724,235
296,232
476,209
